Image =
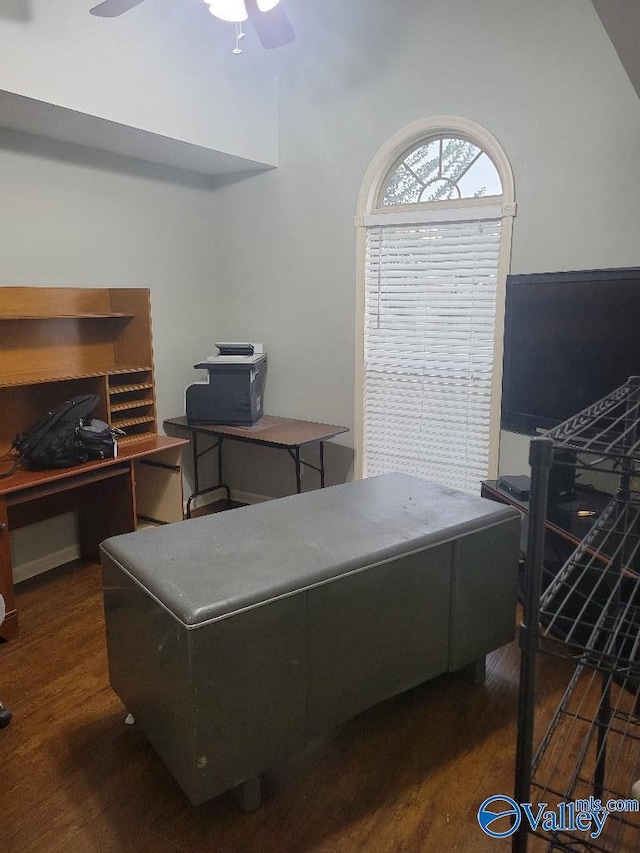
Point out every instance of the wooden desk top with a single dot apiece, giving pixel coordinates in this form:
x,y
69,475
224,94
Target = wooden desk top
x,y
269,430
25,479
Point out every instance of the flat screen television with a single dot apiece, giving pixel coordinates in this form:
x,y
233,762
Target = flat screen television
x,y
570,338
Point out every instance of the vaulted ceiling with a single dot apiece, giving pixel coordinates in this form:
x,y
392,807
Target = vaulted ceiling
x,y
161,83
621,20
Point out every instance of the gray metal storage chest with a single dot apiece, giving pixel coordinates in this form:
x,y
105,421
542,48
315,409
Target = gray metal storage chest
x,y
236,638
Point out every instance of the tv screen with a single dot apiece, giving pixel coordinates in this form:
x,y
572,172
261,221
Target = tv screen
x,y
570,338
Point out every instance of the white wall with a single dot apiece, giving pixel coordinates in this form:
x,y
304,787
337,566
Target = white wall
x,y
78,218
74,217
542,77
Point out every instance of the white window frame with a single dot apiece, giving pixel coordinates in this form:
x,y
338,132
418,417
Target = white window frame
x,y
369,213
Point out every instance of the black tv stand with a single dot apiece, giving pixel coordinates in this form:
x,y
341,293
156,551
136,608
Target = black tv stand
x,y
568,519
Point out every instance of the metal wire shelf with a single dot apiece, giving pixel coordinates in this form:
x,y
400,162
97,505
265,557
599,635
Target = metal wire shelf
x,y
593,603
607,428
591,748
588,611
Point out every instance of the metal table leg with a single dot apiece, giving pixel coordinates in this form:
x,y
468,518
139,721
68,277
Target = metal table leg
x,y
196,456
298,471
295,455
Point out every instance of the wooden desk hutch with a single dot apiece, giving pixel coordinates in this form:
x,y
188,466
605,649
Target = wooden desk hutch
x,y
58,342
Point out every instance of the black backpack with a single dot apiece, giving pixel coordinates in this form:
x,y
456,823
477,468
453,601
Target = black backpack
x,y
53,441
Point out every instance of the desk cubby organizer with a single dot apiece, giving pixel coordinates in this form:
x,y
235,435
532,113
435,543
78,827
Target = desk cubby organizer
x,y
59,342
589,615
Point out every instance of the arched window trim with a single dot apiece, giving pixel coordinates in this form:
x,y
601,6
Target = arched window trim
x,y
481,201
465,137
401,143
387,158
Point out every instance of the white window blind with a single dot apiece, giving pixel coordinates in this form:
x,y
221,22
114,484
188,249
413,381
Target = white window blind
x,y
430,309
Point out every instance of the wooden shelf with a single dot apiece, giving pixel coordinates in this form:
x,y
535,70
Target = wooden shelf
x,y
62,374
134,404
52,303
132,422
126,440
121,370
75,316
126,389
120,381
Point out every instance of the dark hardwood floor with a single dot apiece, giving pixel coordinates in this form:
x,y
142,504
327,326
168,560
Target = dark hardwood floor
x,y
408,775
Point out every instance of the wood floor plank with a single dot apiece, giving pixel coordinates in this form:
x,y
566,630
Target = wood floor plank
x,y
405,776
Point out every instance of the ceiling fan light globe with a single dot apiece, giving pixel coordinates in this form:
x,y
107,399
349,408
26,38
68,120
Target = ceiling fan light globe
x,y
233,11
267,5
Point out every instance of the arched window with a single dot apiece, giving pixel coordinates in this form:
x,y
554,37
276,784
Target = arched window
x,y
434,224
441,169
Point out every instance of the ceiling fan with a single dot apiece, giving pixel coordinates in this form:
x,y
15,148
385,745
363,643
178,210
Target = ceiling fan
x,y
268,18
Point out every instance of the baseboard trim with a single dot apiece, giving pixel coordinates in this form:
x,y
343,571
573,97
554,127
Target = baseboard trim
x,y
45,563
206,500
220,494
249,497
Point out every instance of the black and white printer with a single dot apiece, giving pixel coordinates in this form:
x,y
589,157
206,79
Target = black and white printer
x,y
233,392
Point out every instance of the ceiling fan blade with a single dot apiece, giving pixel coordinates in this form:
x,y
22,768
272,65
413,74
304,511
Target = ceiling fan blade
x,y
113,8
273,27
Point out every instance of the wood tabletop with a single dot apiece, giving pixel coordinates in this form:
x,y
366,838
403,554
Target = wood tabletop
x,y
23,478
272,430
